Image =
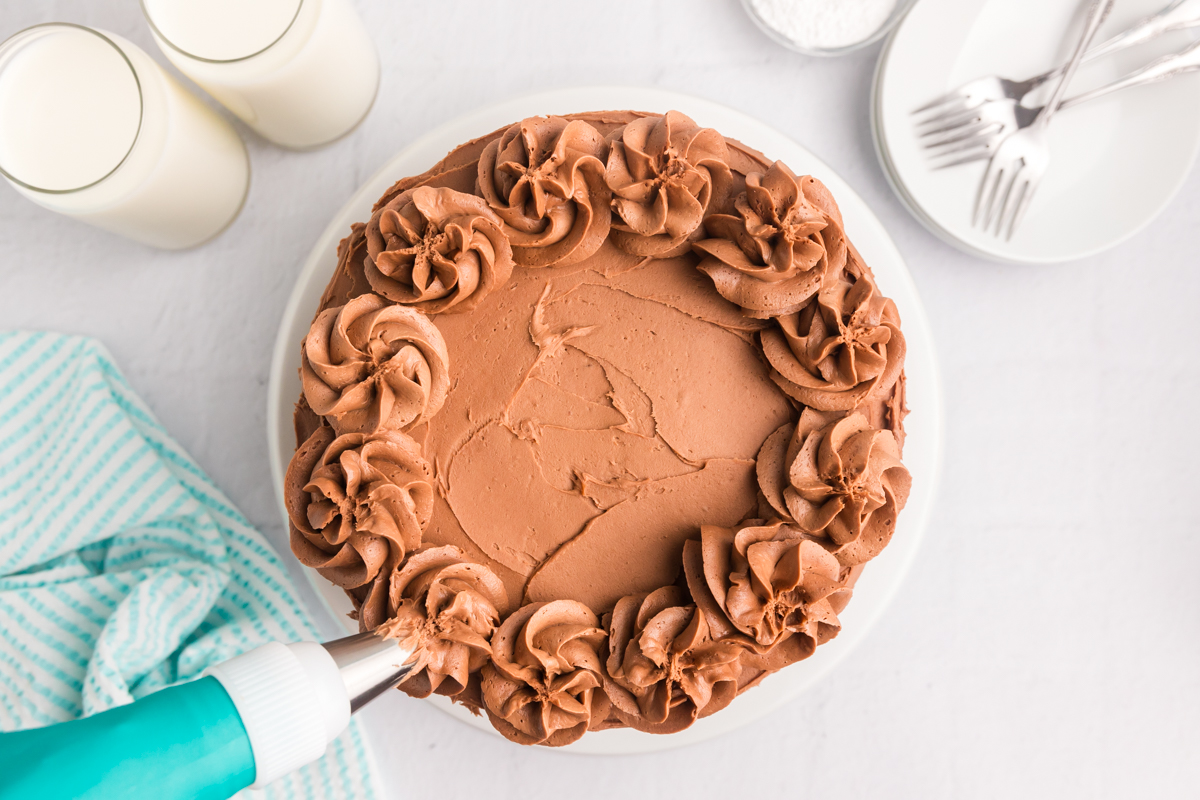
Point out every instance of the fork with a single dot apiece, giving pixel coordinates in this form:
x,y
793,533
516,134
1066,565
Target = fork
x,y
1001,118
1016,169
968,105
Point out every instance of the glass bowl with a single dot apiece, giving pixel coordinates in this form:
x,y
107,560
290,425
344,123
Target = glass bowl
x,y
902,7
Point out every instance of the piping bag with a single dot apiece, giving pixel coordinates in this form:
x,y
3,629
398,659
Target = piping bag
x,y
246,722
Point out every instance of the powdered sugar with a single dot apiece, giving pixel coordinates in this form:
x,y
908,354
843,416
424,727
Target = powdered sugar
x,y
824,23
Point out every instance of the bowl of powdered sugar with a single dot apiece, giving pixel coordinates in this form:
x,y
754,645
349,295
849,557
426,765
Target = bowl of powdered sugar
x,y
826,27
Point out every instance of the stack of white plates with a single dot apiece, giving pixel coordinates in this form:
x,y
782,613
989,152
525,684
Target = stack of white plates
x,y
1116,162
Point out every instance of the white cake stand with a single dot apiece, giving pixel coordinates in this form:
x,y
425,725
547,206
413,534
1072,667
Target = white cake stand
x,y
922,450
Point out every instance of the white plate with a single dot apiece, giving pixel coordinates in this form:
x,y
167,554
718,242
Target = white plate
x,y
922,449
1117,162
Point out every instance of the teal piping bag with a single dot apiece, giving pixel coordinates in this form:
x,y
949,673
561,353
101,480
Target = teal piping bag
x,y
248,721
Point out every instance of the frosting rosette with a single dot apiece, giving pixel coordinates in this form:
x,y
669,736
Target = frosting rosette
x,y
665,173
357,504
842,349
836,477
784,242
543,684
776,585
437,250
544,177
447,608
372,364
664,669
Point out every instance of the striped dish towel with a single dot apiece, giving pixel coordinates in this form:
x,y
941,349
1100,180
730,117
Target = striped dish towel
x,y
123,569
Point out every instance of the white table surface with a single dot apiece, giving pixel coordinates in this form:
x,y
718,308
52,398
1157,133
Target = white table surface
x,y
1047,642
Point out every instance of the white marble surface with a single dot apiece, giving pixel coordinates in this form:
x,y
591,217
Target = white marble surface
x,y
1047,643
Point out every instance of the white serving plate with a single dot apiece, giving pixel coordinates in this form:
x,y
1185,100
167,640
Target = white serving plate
x,y
922,449
1116,162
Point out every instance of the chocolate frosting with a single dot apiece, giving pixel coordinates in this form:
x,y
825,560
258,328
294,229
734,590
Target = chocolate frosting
x,y
437,250
664,173
371,364
841,349
776,585
627,399
835,476
545,178
543,684
664,668
446,607
784,242
357,504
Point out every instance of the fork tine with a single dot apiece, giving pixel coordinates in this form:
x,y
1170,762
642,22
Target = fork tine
x,y
953,94
1011,195
971,131
1022,205
947,106
980,154
948,114
996,199
1006,175
987,188
947,121
956,149
947,127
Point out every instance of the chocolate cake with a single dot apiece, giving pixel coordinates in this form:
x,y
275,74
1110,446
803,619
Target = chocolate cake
x,y
606,412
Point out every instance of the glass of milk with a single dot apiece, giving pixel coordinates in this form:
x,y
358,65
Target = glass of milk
x,y
93,128
299,72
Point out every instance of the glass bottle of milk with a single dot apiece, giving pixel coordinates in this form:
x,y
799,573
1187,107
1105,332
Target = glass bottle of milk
x,y
93,128
299,72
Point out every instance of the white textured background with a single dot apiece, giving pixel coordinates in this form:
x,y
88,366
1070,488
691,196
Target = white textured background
x,y
1047,643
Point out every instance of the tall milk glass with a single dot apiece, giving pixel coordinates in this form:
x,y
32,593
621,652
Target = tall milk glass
x,y
93,128
299,72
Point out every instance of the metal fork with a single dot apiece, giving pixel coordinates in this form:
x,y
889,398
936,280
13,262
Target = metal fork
x,y
1004,117
1016,169
967,105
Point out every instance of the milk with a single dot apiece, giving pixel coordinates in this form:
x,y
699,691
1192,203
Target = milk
x,y
92,128
299,72
56,81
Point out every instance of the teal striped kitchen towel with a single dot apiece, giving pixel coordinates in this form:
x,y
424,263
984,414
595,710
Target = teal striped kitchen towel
x,y
123,568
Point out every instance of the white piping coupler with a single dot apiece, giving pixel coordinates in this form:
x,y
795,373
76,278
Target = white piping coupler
x,y
295,699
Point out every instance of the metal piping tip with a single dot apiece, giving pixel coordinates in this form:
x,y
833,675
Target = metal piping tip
x,y
370,665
